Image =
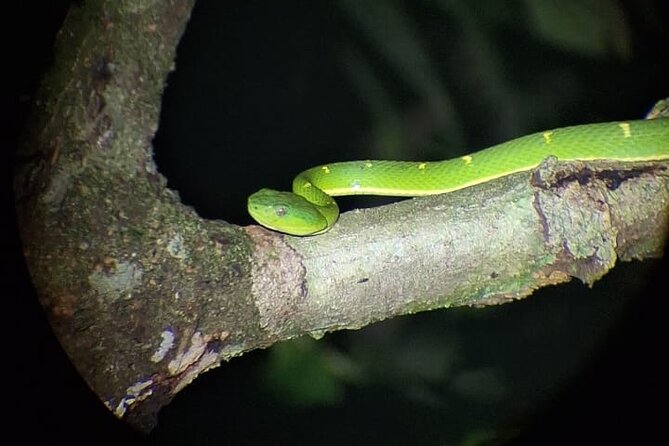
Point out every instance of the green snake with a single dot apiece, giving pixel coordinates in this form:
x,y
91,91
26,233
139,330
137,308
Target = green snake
x,y
310,208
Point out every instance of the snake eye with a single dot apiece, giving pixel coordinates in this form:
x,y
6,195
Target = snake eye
x,y
281,211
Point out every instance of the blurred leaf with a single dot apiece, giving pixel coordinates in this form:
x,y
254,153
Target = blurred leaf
x,y
484,385
397,39
305,372
388,139
481,70
480,437
590,27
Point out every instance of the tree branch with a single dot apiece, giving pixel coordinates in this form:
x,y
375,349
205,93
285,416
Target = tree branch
x,y
484,245
144,295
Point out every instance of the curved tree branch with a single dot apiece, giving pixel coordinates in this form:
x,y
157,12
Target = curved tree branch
x,y
144,295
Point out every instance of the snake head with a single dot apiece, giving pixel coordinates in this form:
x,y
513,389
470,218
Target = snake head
x,y
286,212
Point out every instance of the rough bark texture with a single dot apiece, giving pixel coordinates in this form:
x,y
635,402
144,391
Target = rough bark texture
x,y
485,245
144,295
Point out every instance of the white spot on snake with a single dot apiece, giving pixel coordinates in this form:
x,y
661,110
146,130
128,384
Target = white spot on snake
x,y
627,130
467,159
355,185
548,137
306,185
422,166
368,164
325,169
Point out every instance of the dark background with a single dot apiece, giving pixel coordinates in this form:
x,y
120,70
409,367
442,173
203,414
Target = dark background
x,y
263,90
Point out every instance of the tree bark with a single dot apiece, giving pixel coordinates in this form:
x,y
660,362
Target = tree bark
x,y
144,295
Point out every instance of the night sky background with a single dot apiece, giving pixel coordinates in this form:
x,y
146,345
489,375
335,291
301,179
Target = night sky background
x,y
263,90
